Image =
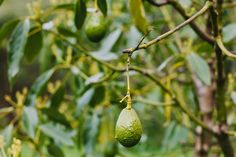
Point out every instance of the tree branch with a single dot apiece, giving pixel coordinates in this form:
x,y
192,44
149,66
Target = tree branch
x,y
220,44
222,137
167,34
203,35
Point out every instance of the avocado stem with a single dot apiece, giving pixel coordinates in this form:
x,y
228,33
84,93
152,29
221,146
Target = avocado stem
x,y
129,100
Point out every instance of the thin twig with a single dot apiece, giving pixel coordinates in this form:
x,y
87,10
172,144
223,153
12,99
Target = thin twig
x,y
223,48
170,32
203,35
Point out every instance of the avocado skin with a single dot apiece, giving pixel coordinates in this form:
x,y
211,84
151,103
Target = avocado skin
x,y
96,27
128,128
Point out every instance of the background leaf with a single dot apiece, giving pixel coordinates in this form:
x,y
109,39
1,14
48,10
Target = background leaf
x,y
229,32
57,133
37,86
16,47
55,151
80,13
30,119
102,4
138,14
1,1
34,44
7,28
200,67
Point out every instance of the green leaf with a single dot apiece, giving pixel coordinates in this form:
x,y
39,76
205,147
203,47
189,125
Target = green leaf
x,y
66,32
92,130
57,97
56,116
30,120
109,42
16,47
98,96
57,133
200,67
7,134
84,100
233,97
37,86
138,14
1,1
102,5
80,13
65,6
7,28
55,151
229,32
34,44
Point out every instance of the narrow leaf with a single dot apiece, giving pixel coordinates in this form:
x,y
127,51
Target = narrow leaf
x,y
37,86
30,119
57,97
7,28
80,13
102,4
34,44
7,134
200,67
138,14
16,47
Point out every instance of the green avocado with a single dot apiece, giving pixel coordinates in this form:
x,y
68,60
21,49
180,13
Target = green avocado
x,y
96,27
128,128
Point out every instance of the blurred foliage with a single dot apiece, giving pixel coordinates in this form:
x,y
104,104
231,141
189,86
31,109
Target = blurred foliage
x,y
64,99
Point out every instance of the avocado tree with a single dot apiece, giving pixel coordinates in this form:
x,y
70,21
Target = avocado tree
x,y
78,77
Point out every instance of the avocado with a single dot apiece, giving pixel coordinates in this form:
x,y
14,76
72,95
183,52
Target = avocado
x,y
96,27
128,128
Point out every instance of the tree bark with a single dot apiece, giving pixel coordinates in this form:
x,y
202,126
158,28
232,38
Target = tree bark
x,y
205,99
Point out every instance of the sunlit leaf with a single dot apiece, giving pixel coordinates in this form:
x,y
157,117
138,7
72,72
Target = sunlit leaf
x,y
138,14
80,13
200,67
16,47
110,41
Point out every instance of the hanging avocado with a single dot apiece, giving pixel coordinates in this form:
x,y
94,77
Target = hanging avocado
x,y
128,128
96,26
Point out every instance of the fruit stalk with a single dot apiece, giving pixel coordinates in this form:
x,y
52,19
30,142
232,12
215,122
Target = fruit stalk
x,y
129,101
